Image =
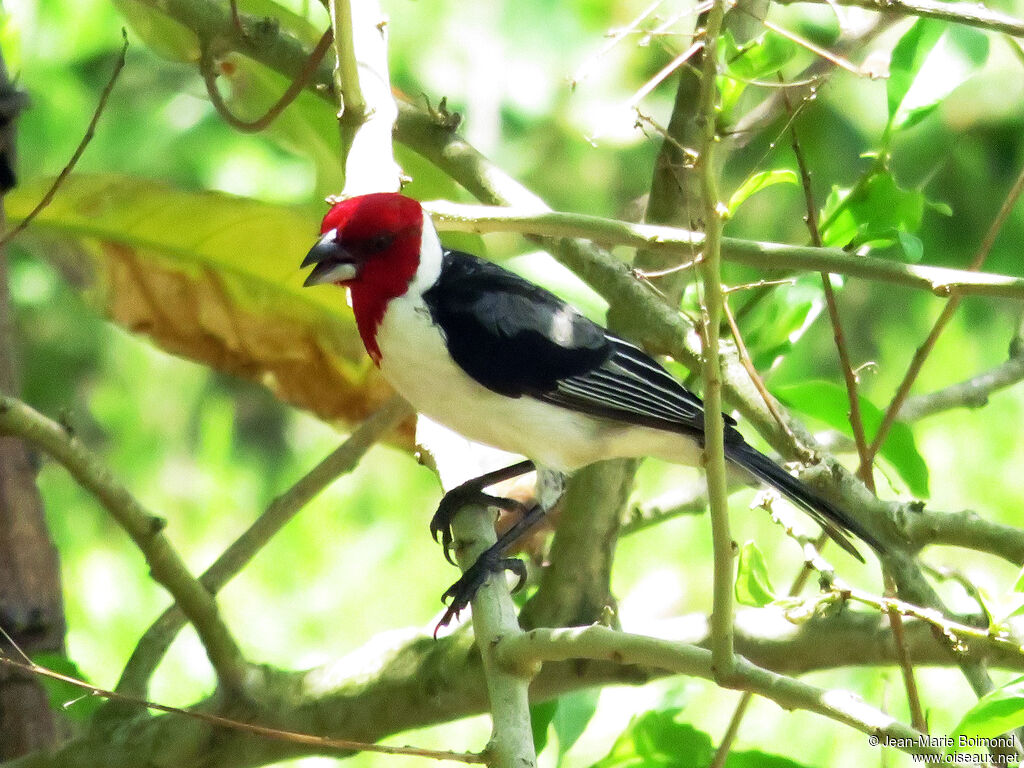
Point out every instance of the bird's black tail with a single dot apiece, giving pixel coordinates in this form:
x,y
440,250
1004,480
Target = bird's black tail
x,y
836,523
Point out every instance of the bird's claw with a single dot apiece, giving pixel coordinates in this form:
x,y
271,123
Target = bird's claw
x,y
462,591
456,499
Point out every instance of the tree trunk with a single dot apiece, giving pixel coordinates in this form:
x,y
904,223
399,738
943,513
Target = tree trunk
x,y
31,608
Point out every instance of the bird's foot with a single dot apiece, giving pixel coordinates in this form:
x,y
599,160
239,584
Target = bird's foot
x,y
456,499
462,591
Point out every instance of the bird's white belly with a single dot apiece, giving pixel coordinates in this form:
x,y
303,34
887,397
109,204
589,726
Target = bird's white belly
x,y
415,360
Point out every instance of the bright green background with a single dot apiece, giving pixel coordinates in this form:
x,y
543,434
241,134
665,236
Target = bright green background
x,y
209,452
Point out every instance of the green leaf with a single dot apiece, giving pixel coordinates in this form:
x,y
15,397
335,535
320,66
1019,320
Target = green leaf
x,y
657,738
907,59
759,58
71,700
753,587
229,268
758,181
829,403
540,718
574,713
772,327
161,33
874,212
755,759
912,246
956,58
995,713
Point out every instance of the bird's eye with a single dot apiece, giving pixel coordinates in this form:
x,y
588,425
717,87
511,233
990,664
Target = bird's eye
x,y
379,243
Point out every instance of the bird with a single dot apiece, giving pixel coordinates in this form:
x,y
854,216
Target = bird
x,y
506,363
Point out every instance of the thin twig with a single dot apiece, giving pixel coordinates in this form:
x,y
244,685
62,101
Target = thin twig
x,y
1016,47
840,61
321,742
157,639
723,657
969,14
664,72
917,718
145,529
845,363
922,353
206,68
755,377
613,39
89,132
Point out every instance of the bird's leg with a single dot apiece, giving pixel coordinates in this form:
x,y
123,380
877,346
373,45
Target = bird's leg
x,y
492,560
472,492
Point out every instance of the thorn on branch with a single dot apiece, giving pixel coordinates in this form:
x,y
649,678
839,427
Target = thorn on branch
x,y
441,115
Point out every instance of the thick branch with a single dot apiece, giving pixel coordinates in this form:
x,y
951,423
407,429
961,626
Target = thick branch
x,y
411,681
494,617
603,644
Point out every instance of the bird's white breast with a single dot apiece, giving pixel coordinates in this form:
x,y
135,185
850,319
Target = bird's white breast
x,y
415,360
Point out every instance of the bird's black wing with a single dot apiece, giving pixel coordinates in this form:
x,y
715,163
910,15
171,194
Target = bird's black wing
x,y
631,386
518,339
512,336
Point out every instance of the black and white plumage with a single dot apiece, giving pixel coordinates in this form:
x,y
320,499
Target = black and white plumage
x,y
509,364
492,320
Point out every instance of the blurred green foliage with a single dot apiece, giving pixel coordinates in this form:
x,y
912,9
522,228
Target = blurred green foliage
x,y
208,452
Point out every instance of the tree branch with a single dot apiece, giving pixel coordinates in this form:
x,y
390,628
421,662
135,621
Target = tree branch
x,y
157,639
601,643
723,658
941,281
494,617
408,681
970,393
144,528
968,14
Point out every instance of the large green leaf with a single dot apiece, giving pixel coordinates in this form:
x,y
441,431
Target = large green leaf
x,y
994,714
829,403
214,278
929,62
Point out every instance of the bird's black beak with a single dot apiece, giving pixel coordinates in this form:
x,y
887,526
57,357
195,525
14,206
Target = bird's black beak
x,y
333,264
